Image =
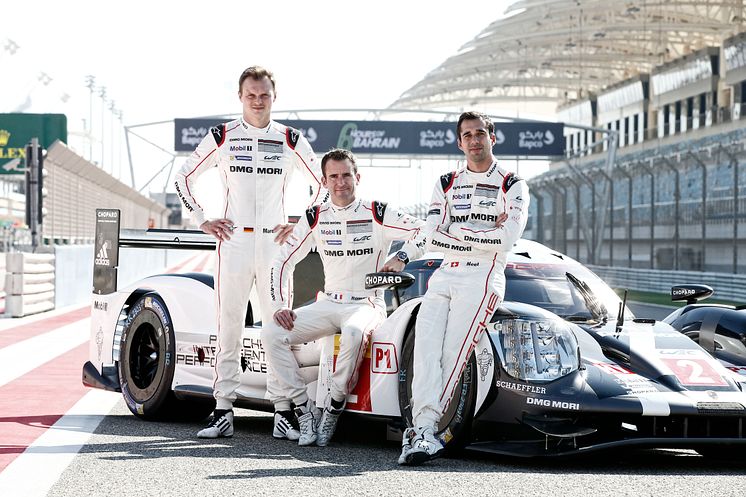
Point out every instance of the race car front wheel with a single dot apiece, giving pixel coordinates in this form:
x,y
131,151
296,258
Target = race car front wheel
x,y
454,428
147,362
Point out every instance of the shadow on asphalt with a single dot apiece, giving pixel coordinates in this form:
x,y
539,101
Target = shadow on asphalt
x,y
360,447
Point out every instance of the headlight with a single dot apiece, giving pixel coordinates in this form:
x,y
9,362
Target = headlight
x,y
536,350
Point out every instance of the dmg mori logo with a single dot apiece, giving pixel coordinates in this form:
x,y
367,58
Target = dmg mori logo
x,y
4,137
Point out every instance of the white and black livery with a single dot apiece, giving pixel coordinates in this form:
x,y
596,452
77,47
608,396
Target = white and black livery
x,y
563,368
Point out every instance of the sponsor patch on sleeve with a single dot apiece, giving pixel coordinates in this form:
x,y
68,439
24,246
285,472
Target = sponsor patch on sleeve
x,y
312,215
446,181
510,180
379,209
292,135
218,132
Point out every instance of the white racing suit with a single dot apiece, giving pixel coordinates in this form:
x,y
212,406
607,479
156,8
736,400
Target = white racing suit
x,y
352,241
463,293
254,167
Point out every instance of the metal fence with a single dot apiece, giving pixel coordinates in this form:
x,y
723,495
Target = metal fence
x,y
726,286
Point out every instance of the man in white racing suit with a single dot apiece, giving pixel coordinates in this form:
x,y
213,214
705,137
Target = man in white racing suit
x,y
255,157
476,215
353,238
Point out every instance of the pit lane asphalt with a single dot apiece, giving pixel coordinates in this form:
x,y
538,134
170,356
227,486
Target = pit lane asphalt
x,y
127,456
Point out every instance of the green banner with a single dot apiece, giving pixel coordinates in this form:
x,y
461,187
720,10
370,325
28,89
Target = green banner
x,y
16,130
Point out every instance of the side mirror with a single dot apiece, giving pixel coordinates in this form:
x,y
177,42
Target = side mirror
x,y
690,293
388,281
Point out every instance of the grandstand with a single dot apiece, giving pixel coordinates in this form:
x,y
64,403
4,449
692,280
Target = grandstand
x,y
666,81
77,187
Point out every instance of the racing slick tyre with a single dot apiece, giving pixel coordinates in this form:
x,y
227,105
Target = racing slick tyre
x,y
147,362
454,428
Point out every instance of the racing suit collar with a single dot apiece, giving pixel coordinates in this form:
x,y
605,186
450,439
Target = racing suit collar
x,y
248,127
480,175
347,209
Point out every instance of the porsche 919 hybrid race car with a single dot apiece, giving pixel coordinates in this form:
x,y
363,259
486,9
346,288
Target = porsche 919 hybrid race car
x,y
564,367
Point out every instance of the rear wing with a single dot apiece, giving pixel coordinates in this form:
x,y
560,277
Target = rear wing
x,y
109,238
167,239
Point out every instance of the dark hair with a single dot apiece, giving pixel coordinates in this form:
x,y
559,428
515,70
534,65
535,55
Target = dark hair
x,y
338,154
256,73
468,116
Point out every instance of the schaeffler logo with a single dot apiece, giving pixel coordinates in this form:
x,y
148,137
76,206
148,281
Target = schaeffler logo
x,y
102,258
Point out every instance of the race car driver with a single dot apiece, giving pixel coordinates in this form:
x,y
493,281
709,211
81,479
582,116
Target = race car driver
x,y
476,215
353,238
255,157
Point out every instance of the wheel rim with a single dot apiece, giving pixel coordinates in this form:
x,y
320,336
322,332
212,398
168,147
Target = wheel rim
x,y
144,358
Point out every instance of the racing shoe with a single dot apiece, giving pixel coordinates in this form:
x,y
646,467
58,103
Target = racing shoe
x,y
406,444
328,424
221,425
286,426
308,421
425,446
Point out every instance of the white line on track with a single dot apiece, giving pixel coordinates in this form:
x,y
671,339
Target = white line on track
x,y
22,357
35,471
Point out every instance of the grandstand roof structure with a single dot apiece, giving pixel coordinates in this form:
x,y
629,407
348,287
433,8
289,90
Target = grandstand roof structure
x,y
563,50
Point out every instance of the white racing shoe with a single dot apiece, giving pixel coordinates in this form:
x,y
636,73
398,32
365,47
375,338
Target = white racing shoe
x,y
424,447
328,424
221,425
308,420
406,445
284,428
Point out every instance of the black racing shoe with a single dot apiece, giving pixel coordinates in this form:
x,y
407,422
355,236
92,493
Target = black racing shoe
x,y
221,425
286,426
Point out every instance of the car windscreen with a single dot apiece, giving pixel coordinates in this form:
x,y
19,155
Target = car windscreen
x,y
550,287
